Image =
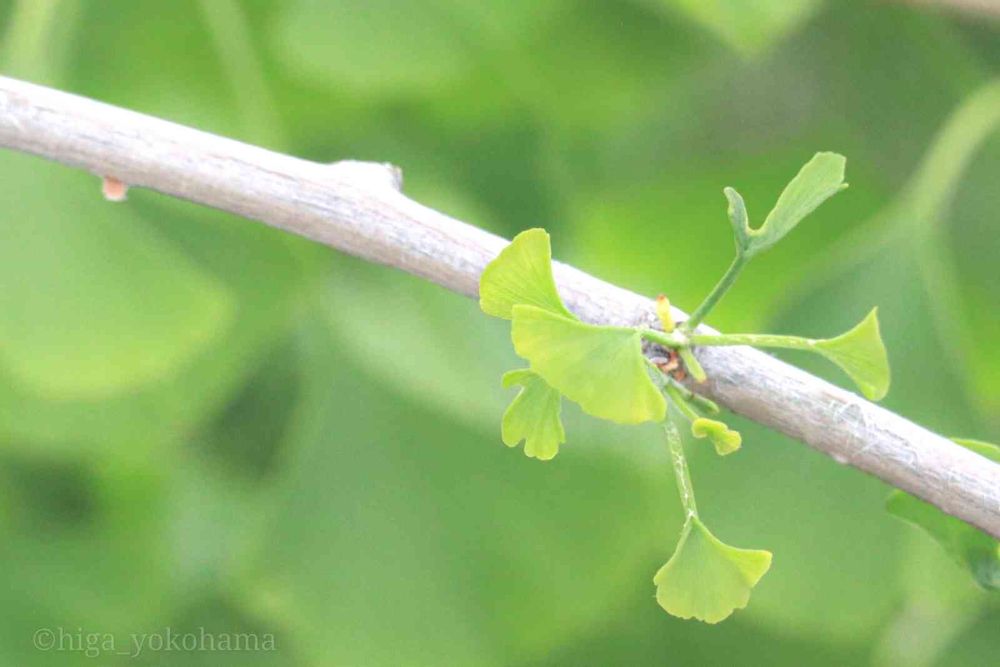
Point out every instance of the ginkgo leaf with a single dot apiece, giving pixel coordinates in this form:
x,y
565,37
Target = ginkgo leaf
x,y
521,274
707,579
601,368
726,441
969,547
861,354
820,178
533,416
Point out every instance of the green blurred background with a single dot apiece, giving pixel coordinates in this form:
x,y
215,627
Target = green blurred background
x,y
207,423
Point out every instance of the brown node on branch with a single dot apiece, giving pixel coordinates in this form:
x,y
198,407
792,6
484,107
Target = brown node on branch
x,y
671,365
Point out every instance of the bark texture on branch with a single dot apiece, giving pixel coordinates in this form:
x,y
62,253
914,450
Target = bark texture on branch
x,y
357,207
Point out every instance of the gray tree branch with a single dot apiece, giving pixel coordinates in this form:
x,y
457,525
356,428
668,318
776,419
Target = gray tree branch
x,y
357,208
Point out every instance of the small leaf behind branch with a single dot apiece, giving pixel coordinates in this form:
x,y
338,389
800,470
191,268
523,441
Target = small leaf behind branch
x,y
820,178
533,416
601,368
707,579
969,547
861,354
521,274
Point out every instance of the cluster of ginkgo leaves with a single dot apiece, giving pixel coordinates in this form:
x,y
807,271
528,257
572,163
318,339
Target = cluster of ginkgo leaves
x,y
604,369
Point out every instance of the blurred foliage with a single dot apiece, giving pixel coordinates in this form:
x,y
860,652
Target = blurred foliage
x,y
207,423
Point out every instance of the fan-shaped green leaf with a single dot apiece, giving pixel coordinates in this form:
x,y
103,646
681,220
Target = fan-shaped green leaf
x,y
726,441
861,354
968,546
521,274
707,579
601,368
820,178
533,416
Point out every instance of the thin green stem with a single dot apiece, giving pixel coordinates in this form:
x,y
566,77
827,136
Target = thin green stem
x,y
691,363
674,339
717,292
706,404
756,340
684,487
700,401
682,402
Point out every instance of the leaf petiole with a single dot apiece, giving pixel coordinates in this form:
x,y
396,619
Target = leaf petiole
x,y
682,402
700,401
858,352
706,404
683,476
720,289
691,363
756,340
674,339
